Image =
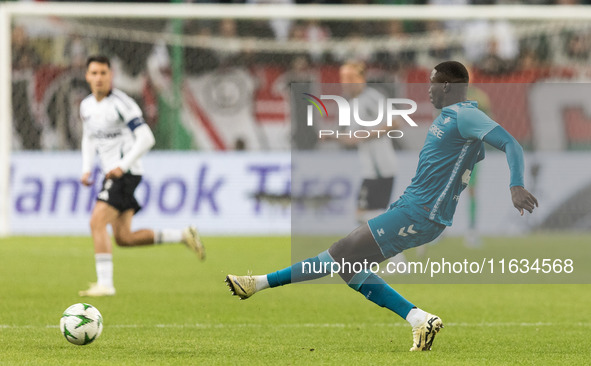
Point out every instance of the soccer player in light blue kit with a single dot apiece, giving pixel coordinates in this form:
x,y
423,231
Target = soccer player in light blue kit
x,y
454,144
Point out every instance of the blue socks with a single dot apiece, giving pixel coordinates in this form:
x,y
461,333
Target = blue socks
x,y
307,270
373,287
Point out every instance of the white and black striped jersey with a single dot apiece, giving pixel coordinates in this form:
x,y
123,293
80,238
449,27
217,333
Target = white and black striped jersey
x,y
114,129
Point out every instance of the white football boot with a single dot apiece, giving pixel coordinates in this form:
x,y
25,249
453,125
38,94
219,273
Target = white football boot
x,y
97,290
241,286
424,334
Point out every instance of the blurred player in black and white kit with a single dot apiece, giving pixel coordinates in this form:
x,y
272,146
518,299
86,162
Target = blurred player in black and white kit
x,y
377,155
376,152
114,129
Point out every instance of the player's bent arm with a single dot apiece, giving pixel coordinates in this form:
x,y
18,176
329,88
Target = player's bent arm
x,y
499,138
144,140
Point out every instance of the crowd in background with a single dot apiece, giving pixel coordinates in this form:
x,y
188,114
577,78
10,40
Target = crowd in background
x,y
494,48
491,46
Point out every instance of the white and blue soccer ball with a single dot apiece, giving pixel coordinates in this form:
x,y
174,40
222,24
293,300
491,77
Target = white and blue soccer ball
x,y
81,324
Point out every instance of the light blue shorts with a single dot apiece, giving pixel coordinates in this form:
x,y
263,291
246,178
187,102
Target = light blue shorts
x,y
401,228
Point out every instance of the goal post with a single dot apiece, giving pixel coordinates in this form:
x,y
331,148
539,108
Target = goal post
x,y
572,17
5,119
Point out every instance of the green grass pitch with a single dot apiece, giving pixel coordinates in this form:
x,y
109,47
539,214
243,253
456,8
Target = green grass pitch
x,y
172,309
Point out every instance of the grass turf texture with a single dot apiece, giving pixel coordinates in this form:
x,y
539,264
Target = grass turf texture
x,y
172,309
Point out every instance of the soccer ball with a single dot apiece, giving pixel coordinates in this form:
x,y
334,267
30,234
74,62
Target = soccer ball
x,y
81,324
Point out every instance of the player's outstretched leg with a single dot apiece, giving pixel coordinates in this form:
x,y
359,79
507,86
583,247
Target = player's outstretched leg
x,y
309,269
356,247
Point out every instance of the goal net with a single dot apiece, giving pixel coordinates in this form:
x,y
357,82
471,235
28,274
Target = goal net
x,y
217,78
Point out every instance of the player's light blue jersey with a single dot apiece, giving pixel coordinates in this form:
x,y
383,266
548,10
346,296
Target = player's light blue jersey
x,y
452,147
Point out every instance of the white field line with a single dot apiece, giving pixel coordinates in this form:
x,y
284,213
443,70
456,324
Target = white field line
x,y
306,325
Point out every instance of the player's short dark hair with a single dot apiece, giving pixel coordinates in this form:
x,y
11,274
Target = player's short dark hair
x,y
453,72
101,59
